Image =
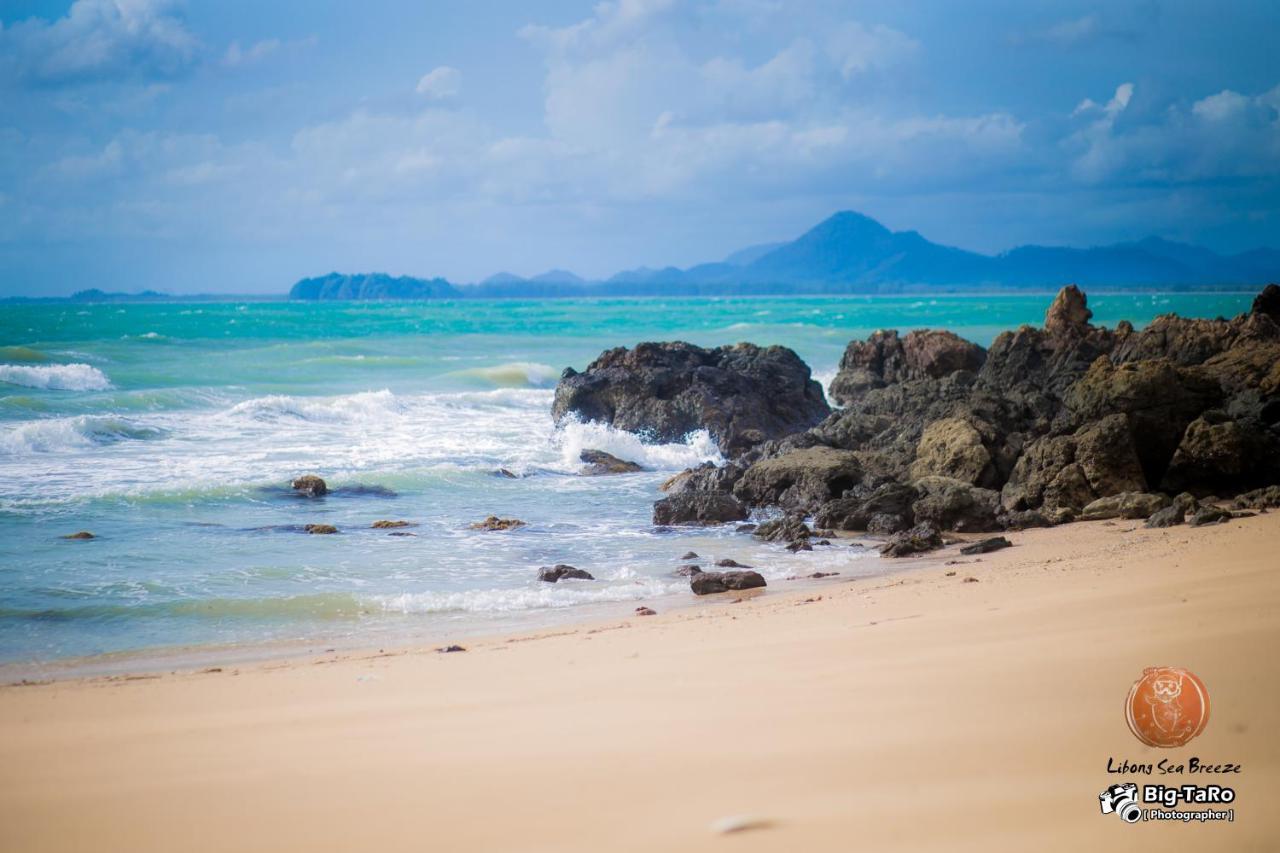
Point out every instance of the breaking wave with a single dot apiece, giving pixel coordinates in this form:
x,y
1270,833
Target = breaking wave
x,y
56,377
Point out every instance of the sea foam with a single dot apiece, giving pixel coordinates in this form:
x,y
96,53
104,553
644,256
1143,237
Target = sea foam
x,y
56,377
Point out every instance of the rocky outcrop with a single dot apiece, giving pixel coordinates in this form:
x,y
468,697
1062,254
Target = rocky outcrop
x,y
952,447
1265,498
917,540
309,485
707,477
954,505
801,480
599,463
884,359
1069,471
709,583
1218,453
789,528
742,394
560,571
883,509
698,508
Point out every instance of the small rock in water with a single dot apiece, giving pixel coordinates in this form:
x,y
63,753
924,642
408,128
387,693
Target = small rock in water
x,y
401,533
560,571
688,571
745,528
689,555
505,474
320,528
646,611
986,546
387,525
495,523
310,485
82,534
600,463
727,563
453,648
800,545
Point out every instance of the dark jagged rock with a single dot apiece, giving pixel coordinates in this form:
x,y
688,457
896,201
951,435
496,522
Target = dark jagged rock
x,y
800,545
600,463
320,529
80,534
1218,453
1073,470
1267,302
953,505
786,529
986,546
884,509
917,540
742,394
709,583
1125,505
689,555
385,524
727,563
1170,516
1025,520
953,447
560,571
495,523
801,480
1264,498
687,571
698,508
646,611
310,486
884,359
1210,515
705,478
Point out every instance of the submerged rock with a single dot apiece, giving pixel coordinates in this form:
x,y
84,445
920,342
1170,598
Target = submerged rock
x,y
986,546
495,523
687,571
560,571
320,529
600,463
81,534
385,524
698,508
708,583
309,485
742,394
727,563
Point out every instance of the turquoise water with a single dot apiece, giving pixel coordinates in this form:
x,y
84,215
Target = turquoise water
x,y
171,431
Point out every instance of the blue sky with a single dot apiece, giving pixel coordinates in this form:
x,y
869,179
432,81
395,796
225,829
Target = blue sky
x,y
236,146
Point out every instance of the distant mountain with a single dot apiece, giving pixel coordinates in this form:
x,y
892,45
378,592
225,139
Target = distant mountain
x,y
853,253
372,286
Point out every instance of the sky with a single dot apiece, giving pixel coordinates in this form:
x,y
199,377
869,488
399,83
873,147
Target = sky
x,y
237,146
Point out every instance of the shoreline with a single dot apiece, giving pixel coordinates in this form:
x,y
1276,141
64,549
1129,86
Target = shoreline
x,y
819,718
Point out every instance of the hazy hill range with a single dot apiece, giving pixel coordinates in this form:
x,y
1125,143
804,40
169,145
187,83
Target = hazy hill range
x,y
852,253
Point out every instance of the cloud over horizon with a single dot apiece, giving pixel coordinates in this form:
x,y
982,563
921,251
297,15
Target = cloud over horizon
x,y
628,132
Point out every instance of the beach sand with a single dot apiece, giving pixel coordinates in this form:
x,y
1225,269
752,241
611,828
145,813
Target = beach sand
x,y
916,711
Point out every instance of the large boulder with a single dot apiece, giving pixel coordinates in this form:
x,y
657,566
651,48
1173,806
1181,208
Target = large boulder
x,y
742,394
801,480
707,477
1219,454
918,540
1160,398
884,358
884,509
952,447
955,505
698,508
309,485
1069,471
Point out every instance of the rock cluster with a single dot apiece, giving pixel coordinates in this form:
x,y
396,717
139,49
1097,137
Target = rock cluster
x,y
1049,424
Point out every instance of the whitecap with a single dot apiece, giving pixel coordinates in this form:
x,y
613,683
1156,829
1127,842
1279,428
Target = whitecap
x,y
58,434
57,377
575,437
348,408
544,595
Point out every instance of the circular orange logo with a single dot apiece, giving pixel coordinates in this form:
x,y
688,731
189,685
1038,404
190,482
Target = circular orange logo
x,y
1167,706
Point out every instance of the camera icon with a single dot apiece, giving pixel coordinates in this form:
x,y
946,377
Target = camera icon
x,y
1123,800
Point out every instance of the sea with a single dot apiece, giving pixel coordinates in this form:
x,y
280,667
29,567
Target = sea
x,y
171,431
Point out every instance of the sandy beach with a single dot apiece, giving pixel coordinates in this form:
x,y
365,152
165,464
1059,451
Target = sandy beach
x,y
918,711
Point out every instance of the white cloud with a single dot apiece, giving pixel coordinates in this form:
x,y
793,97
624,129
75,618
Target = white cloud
x,y
857,48
100,40
440,83
237,56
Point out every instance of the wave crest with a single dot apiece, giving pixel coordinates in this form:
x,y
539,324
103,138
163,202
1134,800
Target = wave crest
x,y
575,437
348,408
55,377
55,434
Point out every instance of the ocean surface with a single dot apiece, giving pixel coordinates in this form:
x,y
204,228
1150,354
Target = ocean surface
x,y
171,431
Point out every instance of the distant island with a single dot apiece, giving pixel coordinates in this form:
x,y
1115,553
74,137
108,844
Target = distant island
x,y
851,253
